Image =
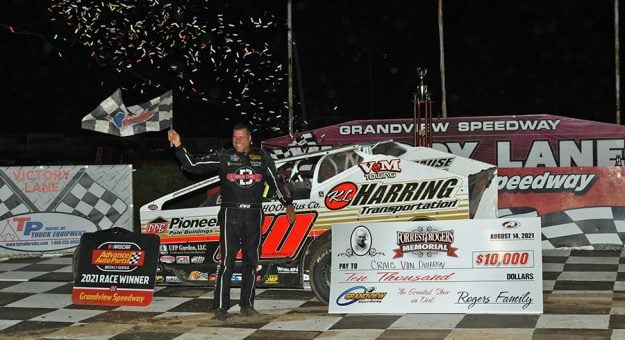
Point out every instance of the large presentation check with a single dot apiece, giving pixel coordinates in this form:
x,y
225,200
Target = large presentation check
x,y
458,266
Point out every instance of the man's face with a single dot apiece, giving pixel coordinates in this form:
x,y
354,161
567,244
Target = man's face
x,y
241,140
361,239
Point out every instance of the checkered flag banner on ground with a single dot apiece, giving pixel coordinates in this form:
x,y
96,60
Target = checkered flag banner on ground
x,y
599,227
89,199
113,117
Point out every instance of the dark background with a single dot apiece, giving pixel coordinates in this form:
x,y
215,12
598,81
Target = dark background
x,y
354,60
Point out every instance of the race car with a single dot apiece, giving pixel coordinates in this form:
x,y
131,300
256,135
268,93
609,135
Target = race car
x,y
384,181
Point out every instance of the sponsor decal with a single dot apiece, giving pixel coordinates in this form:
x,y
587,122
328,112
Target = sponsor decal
x,y
183,259
182,223
287,270
340,196
278,207
245,177
153,207
425,241
430,194
197,259
576,183
236,277
255,157
190,226
360,294
163,248
172,279
427,190
118,256
234,158
272,280
121,119
159,279
409,207
167,259
156,228
510,224
256,163
192,247
380,169
440,163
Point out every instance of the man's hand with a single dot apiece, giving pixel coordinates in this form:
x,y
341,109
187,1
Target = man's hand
x,y
174,138
290,213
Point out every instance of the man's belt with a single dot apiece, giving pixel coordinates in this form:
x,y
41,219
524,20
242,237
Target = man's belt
x,y
242,205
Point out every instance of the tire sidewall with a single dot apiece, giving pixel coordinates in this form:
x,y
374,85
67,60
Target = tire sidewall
x,y
320,269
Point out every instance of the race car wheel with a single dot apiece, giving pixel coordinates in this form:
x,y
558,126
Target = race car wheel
x,y
75,262
319,271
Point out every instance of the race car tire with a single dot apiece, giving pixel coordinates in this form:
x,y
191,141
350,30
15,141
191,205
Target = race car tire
x,y
75,262
319,271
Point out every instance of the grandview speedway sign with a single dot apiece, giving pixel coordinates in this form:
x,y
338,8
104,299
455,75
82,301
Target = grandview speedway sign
x,y
507,141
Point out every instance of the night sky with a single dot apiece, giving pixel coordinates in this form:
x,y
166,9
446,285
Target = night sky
x,y
354,60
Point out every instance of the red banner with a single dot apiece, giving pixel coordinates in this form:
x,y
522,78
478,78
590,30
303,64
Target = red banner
x,y
506,141
549,190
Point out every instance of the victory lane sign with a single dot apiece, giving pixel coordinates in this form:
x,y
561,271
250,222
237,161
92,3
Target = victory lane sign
x,y
115,267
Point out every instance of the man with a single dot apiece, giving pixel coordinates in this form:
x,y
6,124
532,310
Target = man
x,y
243,172
361,246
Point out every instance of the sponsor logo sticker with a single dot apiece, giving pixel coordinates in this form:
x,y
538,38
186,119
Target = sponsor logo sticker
x,y
340,196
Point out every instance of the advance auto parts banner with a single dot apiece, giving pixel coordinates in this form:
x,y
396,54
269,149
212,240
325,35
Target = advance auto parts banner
x,y
46,209
507,141
455,266
579,207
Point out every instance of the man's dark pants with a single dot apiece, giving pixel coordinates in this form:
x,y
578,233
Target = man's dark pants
x,y
239,229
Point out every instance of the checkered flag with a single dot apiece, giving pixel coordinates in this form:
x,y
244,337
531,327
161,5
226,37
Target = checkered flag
x,y
303,144
135,257
11,203
114,118
279,154
586,228
306,139
89,199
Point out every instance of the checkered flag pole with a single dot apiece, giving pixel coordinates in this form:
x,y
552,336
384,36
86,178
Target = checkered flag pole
x,y
89,199
114,118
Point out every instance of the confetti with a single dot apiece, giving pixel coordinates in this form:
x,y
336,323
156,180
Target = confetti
x,y
210,53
